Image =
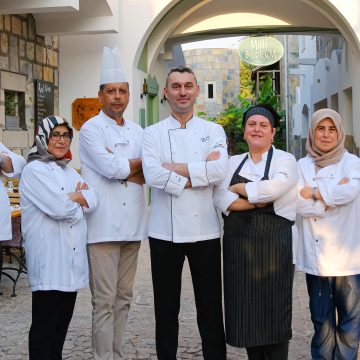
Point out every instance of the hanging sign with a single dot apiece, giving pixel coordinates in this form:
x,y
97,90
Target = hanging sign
x,y
261,50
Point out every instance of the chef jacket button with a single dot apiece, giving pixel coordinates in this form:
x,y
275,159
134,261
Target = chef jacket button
x,y
316,240
70,226
74,249
124,204
314,219
62,188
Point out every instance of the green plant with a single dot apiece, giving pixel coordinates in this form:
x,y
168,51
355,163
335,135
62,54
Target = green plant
x,y
11,103
231,119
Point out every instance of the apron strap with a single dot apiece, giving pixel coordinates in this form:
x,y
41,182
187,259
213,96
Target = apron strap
x,y
268,162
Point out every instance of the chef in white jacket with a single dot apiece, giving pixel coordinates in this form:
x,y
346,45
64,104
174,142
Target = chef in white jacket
x,y
111,163
328,210
54,199
11,165
183,220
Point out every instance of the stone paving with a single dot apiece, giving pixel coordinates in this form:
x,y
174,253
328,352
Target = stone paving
x,y
15,317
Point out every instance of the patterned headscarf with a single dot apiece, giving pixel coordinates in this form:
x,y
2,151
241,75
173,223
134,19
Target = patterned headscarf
x,y
321,158
39,151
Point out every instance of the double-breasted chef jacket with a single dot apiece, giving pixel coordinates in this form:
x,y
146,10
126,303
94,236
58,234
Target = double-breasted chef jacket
x,y
18,163
178,214
54,227
122,213
329,239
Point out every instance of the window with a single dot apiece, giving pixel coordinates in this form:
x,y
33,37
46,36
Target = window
x,y
210,91
14,110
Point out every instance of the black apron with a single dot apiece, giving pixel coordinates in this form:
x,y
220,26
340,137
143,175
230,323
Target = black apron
x,y
258,273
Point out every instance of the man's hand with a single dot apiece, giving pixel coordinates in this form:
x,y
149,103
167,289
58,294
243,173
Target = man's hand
x,y
135,166
214,155
180,168
77,196
137,178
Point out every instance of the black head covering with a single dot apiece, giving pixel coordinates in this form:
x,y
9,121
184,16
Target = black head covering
x,y
265,110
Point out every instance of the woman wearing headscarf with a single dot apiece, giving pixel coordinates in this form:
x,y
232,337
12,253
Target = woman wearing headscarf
x,y
54,198
328,209
258,197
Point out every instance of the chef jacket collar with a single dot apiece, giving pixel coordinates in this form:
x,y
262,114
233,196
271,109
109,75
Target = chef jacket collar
x,y
263,156
109,120
175,124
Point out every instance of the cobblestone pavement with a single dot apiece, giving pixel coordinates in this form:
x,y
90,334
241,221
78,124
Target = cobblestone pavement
x,y
15,317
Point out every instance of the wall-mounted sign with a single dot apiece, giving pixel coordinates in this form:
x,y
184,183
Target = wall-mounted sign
x,y
44,99
83,109
260,50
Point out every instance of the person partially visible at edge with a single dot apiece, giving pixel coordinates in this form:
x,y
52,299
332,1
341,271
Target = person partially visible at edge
x,y
54,198
110,161
11,165
328,208
183,221
258,199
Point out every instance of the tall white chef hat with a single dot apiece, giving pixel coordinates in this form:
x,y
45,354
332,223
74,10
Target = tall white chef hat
x,y
111,69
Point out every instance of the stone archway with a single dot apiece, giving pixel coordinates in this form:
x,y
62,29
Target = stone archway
x,y
190,20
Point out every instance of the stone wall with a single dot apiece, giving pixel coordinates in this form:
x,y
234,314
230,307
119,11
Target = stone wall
x,y
25,57
220,66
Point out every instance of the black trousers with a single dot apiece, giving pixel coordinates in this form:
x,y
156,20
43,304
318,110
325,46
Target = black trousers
x,y
51,314
269,352
167,259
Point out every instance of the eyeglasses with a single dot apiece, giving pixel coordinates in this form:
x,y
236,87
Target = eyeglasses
x,y
57,136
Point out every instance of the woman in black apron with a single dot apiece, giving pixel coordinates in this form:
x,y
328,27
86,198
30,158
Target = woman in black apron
x,y
257,242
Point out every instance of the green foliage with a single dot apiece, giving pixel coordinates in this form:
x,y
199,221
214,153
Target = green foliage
x,y
246,83
231,119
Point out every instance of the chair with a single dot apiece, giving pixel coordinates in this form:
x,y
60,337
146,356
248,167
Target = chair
x,y
14,249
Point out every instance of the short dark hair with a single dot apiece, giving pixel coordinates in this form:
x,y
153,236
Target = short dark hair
x,y
102,86
180,69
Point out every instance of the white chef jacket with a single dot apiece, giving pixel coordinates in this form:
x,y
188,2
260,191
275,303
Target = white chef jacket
x,y
122,212
178,214
54,227
18,163
329,242
279,189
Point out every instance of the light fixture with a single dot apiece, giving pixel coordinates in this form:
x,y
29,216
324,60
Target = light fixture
x,y
164,99
144,89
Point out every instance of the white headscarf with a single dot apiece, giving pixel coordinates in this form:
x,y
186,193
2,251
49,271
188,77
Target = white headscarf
x,y
321,158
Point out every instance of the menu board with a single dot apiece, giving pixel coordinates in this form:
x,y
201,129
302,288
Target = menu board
x,y
44,99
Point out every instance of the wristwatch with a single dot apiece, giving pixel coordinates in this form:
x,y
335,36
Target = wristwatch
x,y
314,190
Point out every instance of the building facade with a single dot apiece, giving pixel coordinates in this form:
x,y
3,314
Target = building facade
x,y
149,33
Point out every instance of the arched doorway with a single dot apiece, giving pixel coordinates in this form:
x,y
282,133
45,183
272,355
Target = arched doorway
x,y
189,20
